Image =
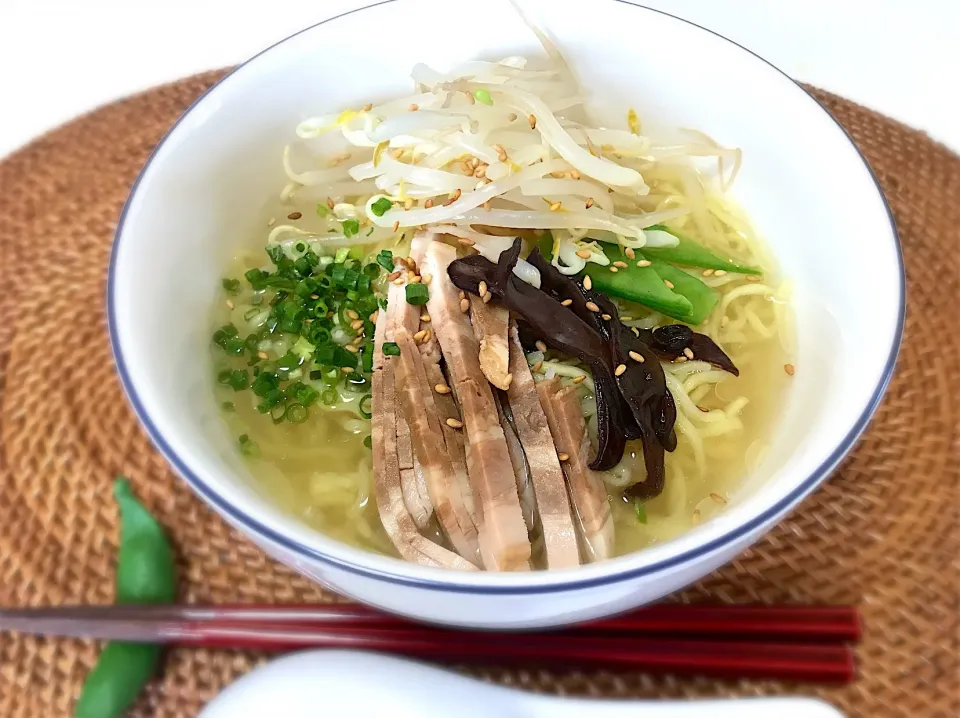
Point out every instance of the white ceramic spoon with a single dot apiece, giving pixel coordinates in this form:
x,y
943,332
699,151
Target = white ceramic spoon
x,y
324,684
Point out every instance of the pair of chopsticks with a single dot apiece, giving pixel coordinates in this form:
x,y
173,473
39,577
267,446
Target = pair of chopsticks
x,y
808,644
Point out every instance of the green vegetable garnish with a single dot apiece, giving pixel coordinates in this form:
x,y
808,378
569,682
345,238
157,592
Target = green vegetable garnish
x,y
391,349
351,227
641,512
322,210
693,254
483,97
145,574
231,285
385,259
636,284
381,206
248,447
417,294
368,442
365,406
702,298
228,406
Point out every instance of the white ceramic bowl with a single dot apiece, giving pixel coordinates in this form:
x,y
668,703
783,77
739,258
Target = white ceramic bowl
x,y
804,183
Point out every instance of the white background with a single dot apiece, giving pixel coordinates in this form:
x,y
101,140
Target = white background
x,y
59,58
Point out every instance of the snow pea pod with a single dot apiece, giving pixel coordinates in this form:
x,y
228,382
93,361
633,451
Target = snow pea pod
x,y
145,574
636,284
693,254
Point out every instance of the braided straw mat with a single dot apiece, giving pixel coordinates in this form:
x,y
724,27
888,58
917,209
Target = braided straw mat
x,y
882,533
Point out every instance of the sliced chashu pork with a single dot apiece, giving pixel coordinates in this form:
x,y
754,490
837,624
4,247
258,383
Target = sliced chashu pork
x,y
587,491
550,489
504,544
394,516
416,397
491,325
416,496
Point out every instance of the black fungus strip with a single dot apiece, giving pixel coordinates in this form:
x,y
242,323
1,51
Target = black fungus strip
x,y
635,404
670,341
556,325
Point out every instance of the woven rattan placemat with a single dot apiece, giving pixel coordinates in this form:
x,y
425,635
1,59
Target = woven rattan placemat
x,y
883,532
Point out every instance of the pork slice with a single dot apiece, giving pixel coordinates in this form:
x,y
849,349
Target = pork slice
x,y
400,314
429,446
490,325
453,438
413,483
586,489
546,476
397,522
521,470
504,544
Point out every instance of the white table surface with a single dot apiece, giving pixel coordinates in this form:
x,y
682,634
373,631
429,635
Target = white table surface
x,y
59,58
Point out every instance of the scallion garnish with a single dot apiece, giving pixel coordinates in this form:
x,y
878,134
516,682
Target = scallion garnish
x,y
391,349
322,210
296,413
417,294
290,344
381,206
231,285
351,227
365,406
248,447
641,512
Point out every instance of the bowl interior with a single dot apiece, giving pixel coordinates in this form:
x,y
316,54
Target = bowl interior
x,y
803,183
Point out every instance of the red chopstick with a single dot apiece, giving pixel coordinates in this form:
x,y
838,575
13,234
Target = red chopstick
x,y
775,642
791,623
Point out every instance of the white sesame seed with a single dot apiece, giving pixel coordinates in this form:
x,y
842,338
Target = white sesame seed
x,y
637,357
563,456
620,370
688,352
454,423
644,263
593,307
587,282
540,346
668,283
566,302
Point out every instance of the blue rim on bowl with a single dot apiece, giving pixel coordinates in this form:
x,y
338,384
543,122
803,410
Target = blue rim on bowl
x,y
452,585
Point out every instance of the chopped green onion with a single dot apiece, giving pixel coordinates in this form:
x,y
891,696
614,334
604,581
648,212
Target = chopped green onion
x,y
372,270
381,206
248,447
385,259
257,278
366,357
228,406
277,412
351,227
231,285
483,97
641,512
322,210
391,349
329,397
368,442
417,294
341,255
365,407
296,413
